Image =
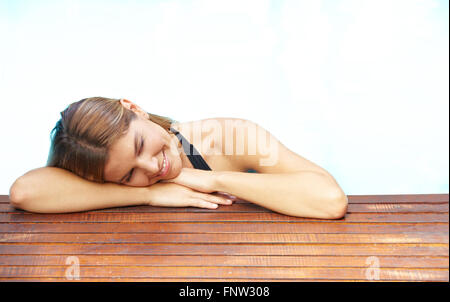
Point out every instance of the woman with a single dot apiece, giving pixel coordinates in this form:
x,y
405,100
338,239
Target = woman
x,y
109,153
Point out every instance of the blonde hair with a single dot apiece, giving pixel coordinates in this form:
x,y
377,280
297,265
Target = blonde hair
x,y
82,137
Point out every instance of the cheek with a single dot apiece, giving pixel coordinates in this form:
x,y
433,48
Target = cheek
x,y
140,179
177,163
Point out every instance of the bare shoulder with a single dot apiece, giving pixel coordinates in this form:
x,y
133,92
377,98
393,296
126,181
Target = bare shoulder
x,y
245,145
212,137
222,141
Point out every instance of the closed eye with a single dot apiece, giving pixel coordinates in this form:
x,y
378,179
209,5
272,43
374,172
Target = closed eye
x,y
141,146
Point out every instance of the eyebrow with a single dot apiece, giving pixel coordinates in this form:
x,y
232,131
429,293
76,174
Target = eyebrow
x,y
135,154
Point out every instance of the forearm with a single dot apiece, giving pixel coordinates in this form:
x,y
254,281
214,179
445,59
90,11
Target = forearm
x,y
303,194
54,190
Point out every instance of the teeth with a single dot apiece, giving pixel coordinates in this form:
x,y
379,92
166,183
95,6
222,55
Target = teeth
x,y
163,166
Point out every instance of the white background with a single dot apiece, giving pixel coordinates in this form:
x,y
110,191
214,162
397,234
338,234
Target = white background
x,y
358,87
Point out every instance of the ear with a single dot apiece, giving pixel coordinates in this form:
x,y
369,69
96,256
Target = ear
x,y
133,107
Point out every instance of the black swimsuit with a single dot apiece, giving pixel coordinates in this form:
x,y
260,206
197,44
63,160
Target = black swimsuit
x,y
193,155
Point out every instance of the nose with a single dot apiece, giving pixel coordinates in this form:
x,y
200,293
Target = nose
x,y
150,166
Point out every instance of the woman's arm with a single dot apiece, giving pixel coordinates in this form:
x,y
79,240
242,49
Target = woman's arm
x,y
286,182
303,194
55,190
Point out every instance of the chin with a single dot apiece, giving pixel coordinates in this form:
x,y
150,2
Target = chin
x,y
175,171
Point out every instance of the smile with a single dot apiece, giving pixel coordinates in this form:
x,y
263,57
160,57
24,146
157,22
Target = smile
x,y
165,166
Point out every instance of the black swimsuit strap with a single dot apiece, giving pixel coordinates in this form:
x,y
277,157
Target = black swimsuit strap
x,y
193,155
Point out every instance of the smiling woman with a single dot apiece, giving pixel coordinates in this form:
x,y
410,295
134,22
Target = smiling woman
x,y
109,152
94,138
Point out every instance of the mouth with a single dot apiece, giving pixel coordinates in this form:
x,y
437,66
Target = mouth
x,y
165,166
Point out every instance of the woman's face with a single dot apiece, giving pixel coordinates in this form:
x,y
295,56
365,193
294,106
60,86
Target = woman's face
x,y
143,156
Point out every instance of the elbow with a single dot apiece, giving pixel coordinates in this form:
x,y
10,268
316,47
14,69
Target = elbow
x,y
338,205
17,195
334,206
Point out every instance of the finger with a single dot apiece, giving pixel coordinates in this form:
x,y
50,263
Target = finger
x,y
200,203
228,196
217,199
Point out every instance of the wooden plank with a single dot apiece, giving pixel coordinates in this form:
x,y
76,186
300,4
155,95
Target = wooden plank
x,y
212,216
252,208
225,260
224,227
408,234
398,208
229,272
402,198
4,198
225,238
392,198
227,249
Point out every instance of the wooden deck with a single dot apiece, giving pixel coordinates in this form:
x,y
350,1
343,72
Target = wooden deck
x,y
382,238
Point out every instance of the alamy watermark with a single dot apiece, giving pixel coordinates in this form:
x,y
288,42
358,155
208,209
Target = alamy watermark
x,y
373,271
210,138
73,271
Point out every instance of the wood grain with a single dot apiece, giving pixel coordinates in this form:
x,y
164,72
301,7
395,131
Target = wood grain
x,y
214,216
193,272
252,208
226,249
224,227
227,260
209,238
407,235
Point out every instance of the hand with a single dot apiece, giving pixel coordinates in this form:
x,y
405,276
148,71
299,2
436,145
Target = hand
x,y
174,195
199,180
